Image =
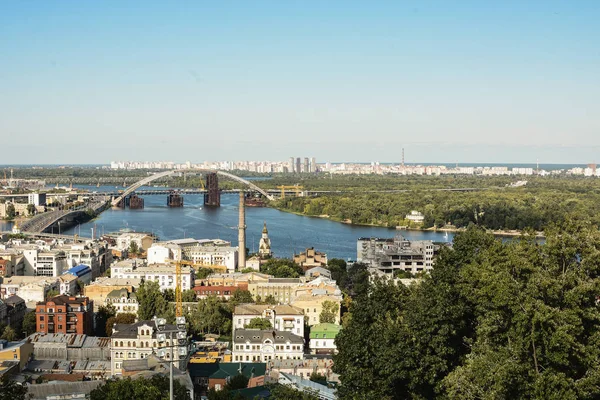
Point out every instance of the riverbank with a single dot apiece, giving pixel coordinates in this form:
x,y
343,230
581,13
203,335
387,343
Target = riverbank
x,y
499,233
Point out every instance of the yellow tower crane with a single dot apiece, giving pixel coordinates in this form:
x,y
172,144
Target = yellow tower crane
x,y
295,188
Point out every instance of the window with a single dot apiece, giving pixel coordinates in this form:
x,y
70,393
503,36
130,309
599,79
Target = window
x,y
59,326
41,326
41,317
59,318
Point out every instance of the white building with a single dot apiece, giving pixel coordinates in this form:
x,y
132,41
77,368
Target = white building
x,y
123,301
68,284
37,199
254,345
416,217
142,240
163,274
282,317
161,252
137,341
215,255
29,288
45,262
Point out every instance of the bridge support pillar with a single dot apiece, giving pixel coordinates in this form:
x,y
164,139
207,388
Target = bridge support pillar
x,y
174,200
135,202
213,197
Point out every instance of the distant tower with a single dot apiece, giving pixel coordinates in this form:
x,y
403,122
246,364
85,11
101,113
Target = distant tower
x,y
264,246
306,170
291,165
298,167
313,164
242,233
403,157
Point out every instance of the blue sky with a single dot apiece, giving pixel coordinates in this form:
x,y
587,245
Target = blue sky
x,y
464,81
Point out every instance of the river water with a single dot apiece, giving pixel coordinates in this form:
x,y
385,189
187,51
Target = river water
x,y
289,233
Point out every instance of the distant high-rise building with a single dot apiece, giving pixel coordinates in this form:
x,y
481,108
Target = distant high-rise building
x,y
291,165
313,165
306,170
298,169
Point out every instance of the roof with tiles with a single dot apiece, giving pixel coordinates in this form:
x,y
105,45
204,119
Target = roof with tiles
x,y
259,336
258,309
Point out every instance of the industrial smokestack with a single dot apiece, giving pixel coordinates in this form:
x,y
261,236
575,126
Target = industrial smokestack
x,y
242,233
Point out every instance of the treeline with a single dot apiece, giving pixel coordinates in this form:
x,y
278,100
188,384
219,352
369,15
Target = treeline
x,y
499,209
493,320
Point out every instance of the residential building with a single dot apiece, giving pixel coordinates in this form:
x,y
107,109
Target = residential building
x,y
50,262
281,289
233,279
318,390
254,263
139,340
68,284
208,376
322,338
15,311
222,291
316,272
142,240
101,287
310,259
30,288
81,272
264,246
313,306
19,352
162,252
93,254
211,256
37,199
163,274
123,301
390,255
70,347
254,345
303,368
282,317
65,314
63,390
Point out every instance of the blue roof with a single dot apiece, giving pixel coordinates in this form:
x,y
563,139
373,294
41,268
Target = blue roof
x,y
79,270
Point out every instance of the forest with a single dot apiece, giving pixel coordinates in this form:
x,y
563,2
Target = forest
x,y
494,320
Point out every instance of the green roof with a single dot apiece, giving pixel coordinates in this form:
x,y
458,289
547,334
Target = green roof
x,y
324,331
223,370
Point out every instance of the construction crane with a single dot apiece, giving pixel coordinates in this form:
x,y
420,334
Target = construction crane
x,y
295,188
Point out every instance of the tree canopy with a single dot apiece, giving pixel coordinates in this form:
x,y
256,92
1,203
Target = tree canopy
x,y
493,320
150,299
281,268
259,323
153,388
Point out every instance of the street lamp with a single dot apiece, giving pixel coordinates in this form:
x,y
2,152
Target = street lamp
x,y
181,334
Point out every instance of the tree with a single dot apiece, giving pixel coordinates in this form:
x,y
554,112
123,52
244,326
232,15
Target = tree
x,y
339,271
282,392
10,390
30,209
270,299
319,378
29,323
10,211
150,300
188,296
237,382
282,268
80,286
259,323
52,293
329,312
133,248
122,318
241,296
203,273
9,334
153,388
211,316
169,295
248,270
102,316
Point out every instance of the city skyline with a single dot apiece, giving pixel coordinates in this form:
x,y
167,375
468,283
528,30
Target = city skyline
x,y
470,83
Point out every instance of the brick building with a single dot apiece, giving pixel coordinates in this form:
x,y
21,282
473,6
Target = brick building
x,y
65,314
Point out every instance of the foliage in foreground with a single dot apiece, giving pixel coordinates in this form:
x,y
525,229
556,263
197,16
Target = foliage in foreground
x,y
494,320
153,388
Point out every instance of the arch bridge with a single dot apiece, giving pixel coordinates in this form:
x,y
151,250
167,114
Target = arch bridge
x,y
160,175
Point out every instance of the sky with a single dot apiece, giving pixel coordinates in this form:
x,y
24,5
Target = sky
x,y
449,81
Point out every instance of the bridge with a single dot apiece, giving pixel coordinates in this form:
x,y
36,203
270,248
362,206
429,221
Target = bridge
x,y
160,175
41,222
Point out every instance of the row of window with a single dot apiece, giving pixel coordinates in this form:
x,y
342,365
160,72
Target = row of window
x,y
265,358
277,347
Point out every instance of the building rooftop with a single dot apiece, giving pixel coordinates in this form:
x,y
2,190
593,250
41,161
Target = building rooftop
x,y
118,293
130,331
325,331
79,270
224,370
259,336
64,299
45,391
69,339
258,309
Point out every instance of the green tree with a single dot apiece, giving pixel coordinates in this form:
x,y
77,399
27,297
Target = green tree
x,y
282,268
188,296
237,382
10,390
248,270
122,318
211,316
102,316
52,293
150,300
169,295
80,286
319,378
9,334
241,296
133,248
329,312
29,323
10,211
282,392
153,388
30,209
259,323
203,273
270,299
339,271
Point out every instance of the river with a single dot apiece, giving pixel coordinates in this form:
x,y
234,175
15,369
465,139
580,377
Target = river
x,y
289,233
